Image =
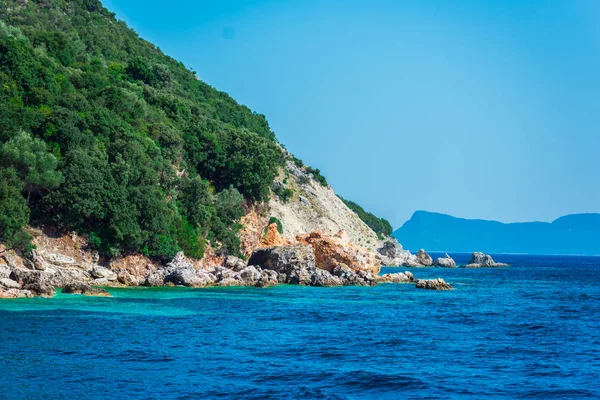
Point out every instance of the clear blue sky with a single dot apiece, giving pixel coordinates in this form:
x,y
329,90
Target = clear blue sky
x,y
480,109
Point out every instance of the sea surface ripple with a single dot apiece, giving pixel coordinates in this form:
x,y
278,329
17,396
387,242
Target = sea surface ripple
x,y
531,330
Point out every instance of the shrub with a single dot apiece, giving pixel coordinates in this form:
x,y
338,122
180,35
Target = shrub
x,y
14,214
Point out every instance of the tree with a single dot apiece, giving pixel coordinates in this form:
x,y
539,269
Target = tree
x,y
14,214
34,165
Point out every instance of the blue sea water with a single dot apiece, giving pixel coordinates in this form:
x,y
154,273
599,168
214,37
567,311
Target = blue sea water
x,y
531,330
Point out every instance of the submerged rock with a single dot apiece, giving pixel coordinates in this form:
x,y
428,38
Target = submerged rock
x,y
85,289
445,262
433,284
480,260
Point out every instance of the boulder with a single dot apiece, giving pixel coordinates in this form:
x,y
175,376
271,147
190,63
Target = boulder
x,y
445,262
34,261
424,259
190,278
399,277
155,278
7,283
234,263
227,277
59,259
324,278
391,254
41,283
268,278
390,249
99,272
433,284
102,282
250,275
133,269
5,271
14,294
10,260
330,251
343,271
294,264
480,260
351,278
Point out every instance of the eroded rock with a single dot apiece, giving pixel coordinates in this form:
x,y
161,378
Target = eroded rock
x,y
433,284
330,251
480,260
445,262
399,277
322,277
7,283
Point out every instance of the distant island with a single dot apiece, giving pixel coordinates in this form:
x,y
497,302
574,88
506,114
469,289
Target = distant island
x,y
577,234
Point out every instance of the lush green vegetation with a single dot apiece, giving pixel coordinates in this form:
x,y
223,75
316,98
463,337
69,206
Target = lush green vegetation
x,y
379,225
102,133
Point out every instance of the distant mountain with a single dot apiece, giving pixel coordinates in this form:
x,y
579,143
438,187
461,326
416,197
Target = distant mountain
x,y
571,234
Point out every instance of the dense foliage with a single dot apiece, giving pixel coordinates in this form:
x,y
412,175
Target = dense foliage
x,y
102,133
380,226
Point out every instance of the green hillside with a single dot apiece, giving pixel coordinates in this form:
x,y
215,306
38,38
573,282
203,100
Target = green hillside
x,y
102,133
380,226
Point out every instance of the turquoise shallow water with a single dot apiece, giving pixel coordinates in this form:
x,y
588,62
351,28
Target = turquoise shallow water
x,y
528,331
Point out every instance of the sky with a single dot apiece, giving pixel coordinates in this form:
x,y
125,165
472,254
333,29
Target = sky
x,y
477,109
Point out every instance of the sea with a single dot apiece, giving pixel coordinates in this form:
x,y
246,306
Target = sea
x,y
530,330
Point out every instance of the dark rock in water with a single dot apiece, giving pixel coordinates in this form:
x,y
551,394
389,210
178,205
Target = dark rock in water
x,y
445,262
433,284
293,264
480,260
85,289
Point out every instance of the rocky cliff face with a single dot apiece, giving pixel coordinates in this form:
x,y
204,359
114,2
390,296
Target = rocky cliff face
x,y
308,206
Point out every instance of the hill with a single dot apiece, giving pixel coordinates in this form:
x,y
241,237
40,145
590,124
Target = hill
x,y
104,135
571,234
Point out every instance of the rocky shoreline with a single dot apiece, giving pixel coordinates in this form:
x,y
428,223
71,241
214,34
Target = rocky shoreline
x,y
314,259
392,254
